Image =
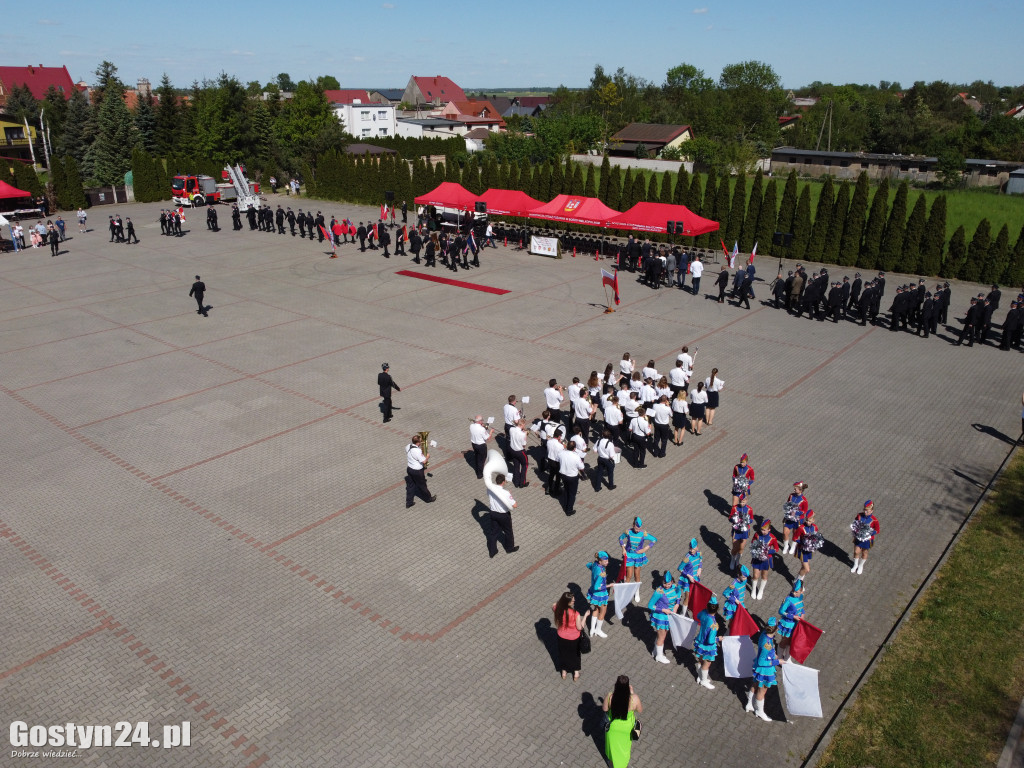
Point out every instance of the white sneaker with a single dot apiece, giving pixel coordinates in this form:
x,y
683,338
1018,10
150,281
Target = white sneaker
x,y
599,633
662,658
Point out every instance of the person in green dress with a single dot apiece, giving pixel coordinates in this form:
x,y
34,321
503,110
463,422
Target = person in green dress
x,y
622,706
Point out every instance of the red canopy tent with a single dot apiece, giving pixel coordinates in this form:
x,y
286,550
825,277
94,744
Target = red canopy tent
x,y
654,217
448,194
7,191
575,209
507,202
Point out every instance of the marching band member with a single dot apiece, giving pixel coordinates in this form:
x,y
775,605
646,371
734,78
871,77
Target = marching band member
x,y
742,479
764,670
865,527
793,512
689,572
597,595
635,543
762,548
808,541
705,644
742,519
791,610
663,603
735,594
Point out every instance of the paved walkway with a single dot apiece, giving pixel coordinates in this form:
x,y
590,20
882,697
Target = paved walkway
x,y
203,519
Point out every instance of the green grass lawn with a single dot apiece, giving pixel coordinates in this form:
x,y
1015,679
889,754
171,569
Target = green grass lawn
x,y
947,689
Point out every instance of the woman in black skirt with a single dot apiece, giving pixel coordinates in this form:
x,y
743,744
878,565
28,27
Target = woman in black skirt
x,y
569,623
713,385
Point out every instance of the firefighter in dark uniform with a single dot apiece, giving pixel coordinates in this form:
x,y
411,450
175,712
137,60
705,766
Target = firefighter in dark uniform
x,y
361,234
385,239
855,288
929,315
302,223
970,323
865,302
1010,325
163,222
844,292
319,227
291,220
236,218
279,216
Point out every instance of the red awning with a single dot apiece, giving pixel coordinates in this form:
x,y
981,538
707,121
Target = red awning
x,y
6,191
449,195
654,217
575,209
507,202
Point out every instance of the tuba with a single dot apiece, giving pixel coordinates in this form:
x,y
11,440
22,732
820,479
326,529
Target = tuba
x,y
495,465
424,442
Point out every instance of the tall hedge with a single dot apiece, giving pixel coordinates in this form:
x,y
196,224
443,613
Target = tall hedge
x,y
853,230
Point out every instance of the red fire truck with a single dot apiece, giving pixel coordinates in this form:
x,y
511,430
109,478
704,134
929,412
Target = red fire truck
x,y
196,189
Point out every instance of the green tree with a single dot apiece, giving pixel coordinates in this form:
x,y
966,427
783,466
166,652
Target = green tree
x,y
25,178
752,96
892,239
766,218
56,188
748,232
665,189
695,197
875,228
722,210
1014,274
681,190
933,238
787,208
589,187
998,257
910,259
853,229
284,82
144,121
305,124
733,224
55,111
707,206
73,182
109,157
977,252
956,254
637,193
822,222
168,118
623,204
77,135
840,211
802,225
604,180
950,167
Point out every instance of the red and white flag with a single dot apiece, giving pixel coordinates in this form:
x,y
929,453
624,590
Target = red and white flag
x,y
181,212
383,211
611,279
803,639
734,254
699,596
753,253
743,623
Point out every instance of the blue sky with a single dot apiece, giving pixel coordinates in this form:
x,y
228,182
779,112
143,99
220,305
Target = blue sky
x,y
377,44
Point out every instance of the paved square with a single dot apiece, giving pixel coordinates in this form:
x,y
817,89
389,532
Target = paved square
x,y
203,519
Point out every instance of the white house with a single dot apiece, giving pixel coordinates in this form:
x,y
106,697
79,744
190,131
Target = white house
x,y
430,127
362,118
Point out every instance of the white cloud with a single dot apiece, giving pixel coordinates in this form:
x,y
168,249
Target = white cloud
x,y
700,10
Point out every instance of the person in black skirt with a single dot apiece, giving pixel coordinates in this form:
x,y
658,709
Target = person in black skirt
x,y
569,624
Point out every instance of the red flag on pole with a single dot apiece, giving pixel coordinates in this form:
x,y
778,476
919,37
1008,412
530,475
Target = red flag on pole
x,y
405,233
803,639
743,623
375,233
753,253
612,281
699,596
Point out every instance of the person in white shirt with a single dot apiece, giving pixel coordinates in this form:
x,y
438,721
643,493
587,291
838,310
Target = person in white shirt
x,y
698,402
625,366
512,414
640,432
613,420
607,455
416,478
622,396
687,359
502,504
517,454
555,448
696,270
680,415
662,412
647,393
553,398
584,412
573,393
636,381
713,385
570,465
650,372
677,378
661,388
579,443
478,437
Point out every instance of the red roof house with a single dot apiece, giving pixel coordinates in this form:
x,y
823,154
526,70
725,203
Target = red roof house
x,y
474,113
432,90
38,79
347,96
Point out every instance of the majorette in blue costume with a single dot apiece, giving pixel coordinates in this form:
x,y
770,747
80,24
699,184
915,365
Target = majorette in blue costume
x,y
793,512
791,610
705,644
597,595
742,519
765,662
742,479
689,572
865,527
663,602
735,594
635,542
762,548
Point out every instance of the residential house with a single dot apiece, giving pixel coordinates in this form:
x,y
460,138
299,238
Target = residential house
x,y
391,96
362,117
474,113
476,139
38,79
654,137
430,128
431,91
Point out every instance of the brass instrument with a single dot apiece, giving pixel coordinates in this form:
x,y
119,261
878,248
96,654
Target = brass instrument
x,y
424,443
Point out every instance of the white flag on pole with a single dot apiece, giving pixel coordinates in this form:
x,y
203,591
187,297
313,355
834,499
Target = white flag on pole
x,y
682,630
623,595
3,222
801,689
738,656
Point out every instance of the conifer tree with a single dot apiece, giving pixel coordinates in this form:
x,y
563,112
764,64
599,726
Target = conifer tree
x,y
802,225
695,197
589,187
73,181
749,229
933,238
77,137
722,199
910,259
733,221
604,182
144,121
853,229
615,186
142,172
895,226
707,207
637,193
956,254
822,222
577,185
627,189
998,257
452,171
25,178
1014,274
834,238
681,191
875,228
56,189
977,252
651,191
787,208
766,218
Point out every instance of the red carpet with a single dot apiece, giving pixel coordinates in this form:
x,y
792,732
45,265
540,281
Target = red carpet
x,y
449,281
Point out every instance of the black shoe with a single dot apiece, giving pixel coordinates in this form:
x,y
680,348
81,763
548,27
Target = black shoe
x,y
514,549
525,484
570,513
611,487
431,499
409,504
492,554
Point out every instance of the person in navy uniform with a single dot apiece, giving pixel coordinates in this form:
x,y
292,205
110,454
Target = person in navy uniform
x,y
765,663
198,291
131,231
279,219
290,215
971,321
385,384
361,234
